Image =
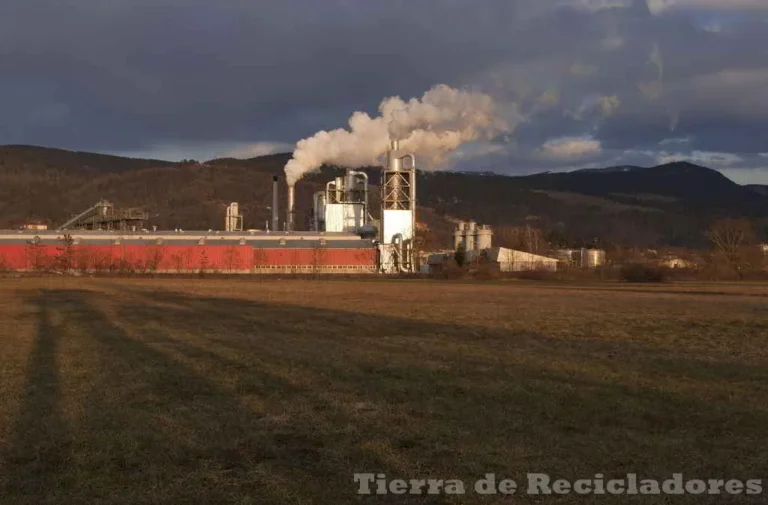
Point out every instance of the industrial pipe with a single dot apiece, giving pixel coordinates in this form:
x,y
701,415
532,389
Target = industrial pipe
x,y
317,207
397,240
275,203
365,199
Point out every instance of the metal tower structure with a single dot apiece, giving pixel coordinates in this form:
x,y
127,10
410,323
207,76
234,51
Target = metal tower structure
x,y
103,216
398,210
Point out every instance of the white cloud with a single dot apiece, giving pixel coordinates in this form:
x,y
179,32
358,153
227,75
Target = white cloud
x,y
732,78
208,150
660,6
605,106
609,105
582,69
259,149
705,158
675,140
596,5
612,42
653,90
549,97
569,148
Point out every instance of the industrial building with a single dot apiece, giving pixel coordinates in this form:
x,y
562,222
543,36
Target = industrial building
x,y
510,260
103,238
187,252
475,243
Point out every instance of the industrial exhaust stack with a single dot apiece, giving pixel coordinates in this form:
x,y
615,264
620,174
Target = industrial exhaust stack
x,y
398,211
291,217
275,203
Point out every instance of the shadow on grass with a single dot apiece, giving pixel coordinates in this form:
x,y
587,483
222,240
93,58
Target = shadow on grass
x,y
298,333
225,400
39,450
423,368
657,289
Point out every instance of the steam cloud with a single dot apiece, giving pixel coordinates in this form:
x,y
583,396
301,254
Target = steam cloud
x,y
438,123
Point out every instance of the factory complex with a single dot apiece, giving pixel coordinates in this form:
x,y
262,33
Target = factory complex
x,y
342,239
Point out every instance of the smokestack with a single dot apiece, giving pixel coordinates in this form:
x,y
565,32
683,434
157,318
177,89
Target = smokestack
x,y
275,213
393,156
291,207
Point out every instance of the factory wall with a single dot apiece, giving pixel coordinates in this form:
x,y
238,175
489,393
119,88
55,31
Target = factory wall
x,y
184,258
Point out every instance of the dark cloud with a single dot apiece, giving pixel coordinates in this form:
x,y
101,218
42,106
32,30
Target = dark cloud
x,y
156,76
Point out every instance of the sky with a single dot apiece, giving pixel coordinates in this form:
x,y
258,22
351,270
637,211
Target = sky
x,y
587,83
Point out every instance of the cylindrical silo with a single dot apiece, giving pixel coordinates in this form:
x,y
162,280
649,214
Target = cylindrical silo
x,y
484,238
458,235
595,258
470,232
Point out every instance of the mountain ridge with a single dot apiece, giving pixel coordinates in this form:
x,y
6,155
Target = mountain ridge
x,y
634,206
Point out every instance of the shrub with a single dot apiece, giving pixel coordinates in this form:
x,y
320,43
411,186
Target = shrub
x,y
637,272
450,270
487,271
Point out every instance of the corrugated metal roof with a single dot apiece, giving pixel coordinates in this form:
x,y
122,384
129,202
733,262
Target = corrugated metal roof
x,y
258,243
504,254
186,233
178,238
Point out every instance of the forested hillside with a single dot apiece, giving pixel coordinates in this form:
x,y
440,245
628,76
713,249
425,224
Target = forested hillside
x,y
629,206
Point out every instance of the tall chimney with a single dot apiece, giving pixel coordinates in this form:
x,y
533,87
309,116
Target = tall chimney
x,y
393,156
275,213
291,207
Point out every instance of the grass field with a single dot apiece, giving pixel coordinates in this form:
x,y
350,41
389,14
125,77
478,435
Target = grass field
x,y
265,392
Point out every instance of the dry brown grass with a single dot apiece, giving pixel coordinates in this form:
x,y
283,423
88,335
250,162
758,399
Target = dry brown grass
x,y
267,392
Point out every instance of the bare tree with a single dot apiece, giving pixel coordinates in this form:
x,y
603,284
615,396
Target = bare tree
x,y
522,238
734,243
232,258
318,258
35,254
65,254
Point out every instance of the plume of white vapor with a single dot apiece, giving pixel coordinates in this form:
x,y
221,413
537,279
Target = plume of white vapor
x,y
430,127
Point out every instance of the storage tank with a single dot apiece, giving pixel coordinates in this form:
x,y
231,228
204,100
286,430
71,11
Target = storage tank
x,y
470,233
484,238
593,258
458,235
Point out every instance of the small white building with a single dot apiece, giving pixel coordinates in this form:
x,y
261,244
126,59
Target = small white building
x,y
34,226
510,260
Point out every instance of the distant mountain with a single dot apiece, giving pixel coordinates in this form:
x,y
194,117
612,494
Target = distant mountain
x,y
680,180
668,204
34,158
760,189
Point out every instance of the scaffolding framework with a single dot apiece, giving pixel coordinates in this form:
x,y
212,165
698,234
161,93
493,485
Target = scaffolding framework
x,y
104,216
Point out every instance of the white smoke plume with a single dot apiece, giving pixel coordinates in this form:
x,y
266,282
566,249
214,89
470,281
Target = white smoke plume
x,y
430,127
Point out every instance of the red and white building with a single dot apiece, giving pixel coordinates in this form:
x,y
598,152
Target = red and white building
x,y
187,252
